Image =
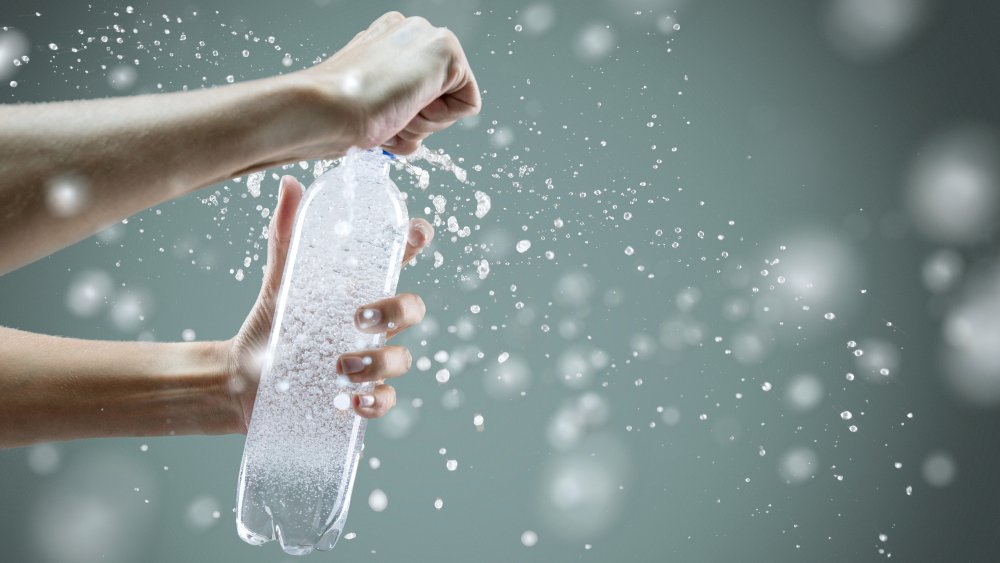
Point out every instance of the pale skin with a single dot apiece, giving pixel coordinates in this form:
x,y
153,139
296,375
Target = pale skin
x,y
392,85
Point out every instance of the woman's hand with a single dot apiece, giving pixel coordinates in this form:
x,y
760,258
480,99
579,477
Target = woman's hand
x,y
244,351
392,85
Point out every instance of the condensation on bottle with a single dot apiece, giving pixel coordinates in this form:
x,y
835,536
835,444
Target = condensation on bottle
x,y
304,439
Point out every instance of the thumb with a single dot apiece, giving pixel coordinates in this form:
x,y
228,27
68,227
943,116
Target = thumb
x,y
280,232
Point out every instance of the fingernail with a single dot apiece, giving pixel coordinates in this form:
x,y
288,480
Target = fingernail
x,y
367,318
390,143
418,235
366,400
350,364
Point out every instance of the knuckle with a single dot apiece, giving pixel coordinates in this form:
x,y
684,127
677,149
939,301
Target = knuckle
x,y
421,307
418,20
411,304
401,360
445,40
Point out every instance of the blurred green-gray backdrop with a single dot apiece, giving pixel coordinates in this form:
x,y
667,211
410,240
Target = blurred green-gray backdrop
x,y
755,321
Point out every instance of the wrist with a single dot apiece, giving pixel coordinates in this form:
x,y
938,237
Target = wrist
x,y
199,376
222,412
299,116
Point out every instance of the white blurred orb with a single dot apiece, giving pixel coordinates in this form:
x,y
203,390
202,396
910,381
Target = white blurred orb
x,y
122,77
576,419
879,361
399,421
953,190
509,379
643,346
465,328
580,496
804,392
89,292
820,268
565,429
537,18
679,332
43,459
502,137
687,299
751,345
939,469
671,416
574,369
529,538
570,328
972,340
593,408
594,42
202,513
90,511
13,46
942,270
871,30
575,289
452,399
129,310
66,195
735,309
798,465
576,366
378,500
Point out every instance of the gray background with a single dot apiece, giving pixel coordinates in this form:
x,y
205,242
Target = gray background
x,y
830,139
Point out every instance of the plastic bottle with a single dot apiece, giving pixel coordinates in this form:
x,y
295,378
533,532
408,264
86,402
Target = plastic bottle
x,y
304,440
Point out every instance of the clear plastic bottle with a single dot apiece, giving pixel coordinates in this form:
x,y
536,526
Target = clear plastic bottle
x,y
304,440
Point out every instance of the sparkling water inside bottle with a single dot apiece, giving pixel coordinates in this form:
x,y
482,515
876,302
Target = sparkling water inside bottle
x,y
304,439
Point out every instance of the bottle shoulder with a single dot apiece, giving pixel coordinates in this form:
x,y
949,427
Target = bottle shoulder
x,y
335,191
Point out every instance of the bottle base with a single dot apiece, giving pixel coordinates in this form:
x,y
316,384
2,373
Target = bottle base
x,y
249,536
324,543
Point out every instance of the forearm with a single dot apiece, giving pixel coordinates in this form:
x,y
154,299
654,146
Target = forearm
x,y
54,388
131,153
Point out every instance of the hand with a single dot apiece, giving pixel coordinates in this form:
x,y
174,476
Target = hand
x,y
397,82
403,311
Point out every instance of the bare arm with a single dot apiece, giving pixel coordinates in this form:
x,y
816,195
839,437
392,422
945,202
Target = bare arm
x,y
61,388
123,155
393,84
54,388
